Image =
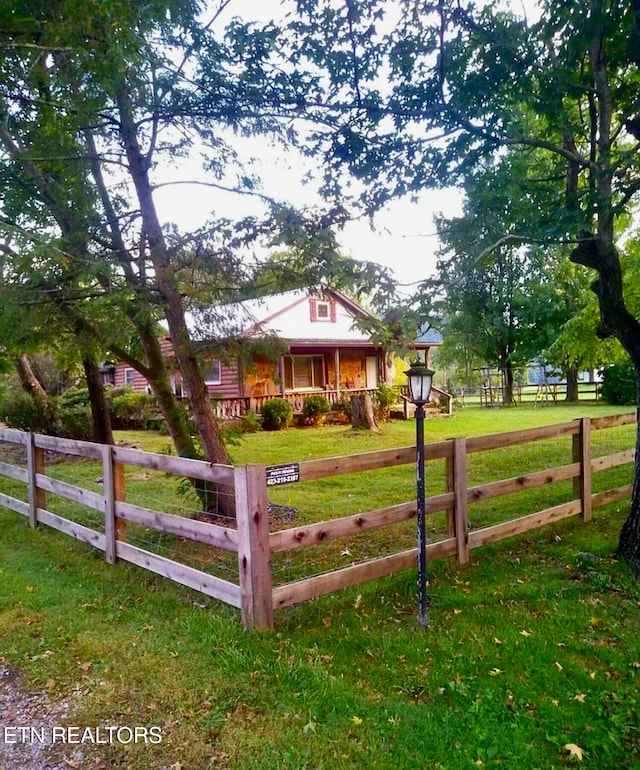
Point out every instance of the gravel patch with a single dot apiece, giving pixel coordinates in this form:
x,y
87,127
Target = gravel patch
x,y
27,720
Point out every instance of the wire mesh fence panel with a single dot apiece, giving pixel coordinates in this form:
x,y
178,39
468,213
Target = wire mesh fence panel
x,y
511,483
73,488
13,471
339,497
609,445
157,509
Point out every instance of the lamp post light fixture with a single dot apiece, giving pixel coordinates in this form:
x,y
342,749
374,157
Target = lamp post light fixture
x,y
420,379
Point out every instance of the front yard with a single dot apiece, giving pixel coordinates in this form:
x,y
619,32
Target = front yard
x,y
531,658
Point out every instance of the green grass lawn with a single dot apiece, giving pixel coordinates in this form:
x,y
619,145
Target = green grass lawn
x,y
532,647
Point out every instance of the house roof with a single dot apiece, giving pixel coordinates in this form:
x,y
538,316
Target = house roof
x,y
288,316
428,335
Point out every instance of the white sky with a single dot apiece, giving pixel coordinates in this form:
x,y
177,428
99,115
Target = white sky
x,y
403,236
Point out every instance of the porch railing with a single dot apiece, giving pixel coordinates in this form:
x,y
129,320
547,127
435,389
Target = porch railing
x,y
232,408
235,408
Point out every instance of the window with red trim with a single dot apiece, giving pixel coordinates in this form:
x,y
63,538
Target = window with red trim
x,y
322,310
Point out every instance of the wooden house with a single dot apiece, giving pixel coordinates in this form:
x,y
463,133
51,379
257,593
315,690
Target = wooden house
x,y
326,351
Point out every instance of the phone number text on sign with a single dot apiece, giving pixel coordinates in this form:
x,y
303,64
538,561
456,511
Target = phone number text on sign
x,y
282,474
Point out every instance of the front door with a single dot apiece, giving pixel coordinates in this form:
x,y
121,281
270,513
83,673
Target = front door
x,y
372,371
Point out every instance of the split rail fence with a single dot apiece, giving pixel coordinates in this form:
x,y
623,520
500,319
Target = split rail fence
x,y
248,539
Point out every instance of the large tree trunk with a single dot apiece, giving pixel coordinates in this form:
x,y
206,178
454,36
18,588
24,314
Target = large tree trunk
x,y
629,540
176,421
102,433
507,393
169,290
156,374
155,371
572,385
600,254
362,411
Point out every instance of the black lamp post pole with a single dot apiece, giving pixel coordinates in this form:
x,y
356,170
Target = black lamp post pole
x,y
421,517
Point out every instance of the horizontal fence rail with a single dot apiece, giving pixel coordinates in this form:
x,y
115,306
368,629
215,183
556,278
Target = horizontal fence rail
x,y
31,483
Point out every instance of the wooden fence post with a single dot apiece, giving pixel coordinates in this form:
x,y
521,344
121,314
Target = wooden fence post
x,y
119,495
35,464
113,489
108,488
254,552
460,509
450,486
582,455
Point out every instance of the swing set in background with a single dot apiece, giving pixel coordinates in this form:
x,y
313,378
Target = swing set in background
x,y
543,388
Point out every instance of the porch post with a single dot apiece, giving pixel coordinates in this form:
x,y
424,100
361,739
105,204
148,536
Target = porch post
x,y
336,359
240,378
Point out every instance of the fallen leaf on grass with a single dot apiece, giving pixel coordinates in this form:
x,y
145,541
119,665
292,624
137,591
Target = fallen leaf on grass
x,y
495,672
573,751
356,720
310,727
580,697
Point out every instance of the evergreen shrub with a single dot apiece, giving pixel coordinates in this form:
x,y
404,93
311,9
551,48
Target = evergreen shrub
x,y
277,413
314,408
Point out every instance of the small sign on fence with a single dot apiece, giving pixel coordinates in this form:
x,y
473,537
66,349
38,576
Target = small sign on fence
x,y
282,474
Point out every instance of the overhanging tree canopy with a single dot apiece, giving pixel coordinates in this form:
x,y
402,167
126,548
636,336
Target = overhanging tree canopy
x,y
96,106
453,84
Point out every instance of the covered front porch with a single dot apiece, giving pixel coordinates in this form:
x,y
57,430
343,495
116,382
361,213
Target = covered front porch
x,y
305,369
